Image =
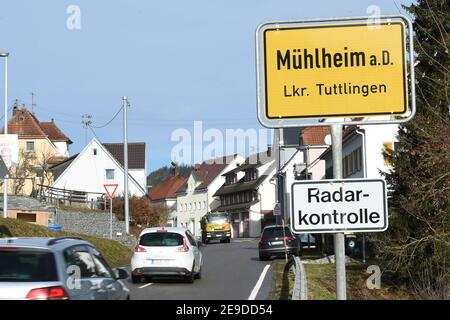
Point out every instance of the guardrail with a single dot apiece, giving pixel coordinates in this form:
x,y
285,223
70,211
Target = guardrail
x,y
300,291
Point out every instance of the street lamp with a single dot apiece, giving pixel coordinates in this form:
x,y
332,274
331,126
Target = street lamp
x,y
4,54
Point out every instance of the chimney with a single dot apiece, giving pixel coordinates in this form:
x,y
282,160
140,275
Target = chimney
x,y
269,150
16,107
197,167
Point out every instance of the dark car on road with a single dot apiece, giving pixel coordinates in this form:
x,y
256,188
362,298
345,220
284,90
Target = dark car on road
x,y
277,241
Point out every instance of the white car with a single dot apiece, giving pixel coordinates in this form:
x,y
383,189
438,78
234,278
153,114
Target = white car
x,y
166,251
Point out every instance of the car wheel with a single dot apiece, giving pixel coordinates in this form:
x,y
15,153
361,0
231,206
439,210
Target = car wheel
x,y
199,274
228,240
135,279
190,278
262,257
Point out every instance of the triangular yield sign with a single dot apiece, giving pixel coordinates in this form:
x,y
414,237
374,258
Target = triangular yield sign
x,y
110,189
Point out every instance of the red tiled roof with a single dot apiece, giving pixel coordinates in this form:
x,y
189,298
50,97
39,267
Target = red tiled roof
x,y
209,170
24,123
167,188
54,133
314,135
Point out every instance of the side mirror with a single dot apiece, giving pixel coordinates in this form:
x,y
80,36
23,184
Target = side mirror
x,y
120,274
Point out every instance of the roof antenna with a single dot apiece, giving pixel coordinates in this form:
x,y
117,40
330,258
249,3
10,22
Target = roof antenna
x,y
32,102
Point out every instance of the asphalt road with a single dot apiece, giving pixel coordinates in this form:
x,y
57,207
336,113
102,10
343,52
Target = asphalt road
x,y
230,272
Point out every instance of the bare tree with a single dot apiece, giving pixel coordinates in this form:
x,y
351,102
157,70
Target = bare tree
x,y
24,171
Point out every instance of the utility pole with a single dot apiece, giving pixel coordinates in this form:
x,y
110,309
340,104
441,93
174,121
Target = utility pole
x,y
86,121
125,163
339,238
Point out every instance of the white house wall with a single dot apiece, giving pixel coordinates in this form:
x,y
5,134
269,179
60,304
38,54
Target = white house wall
x,y
87,173
140,176
184,218
63,148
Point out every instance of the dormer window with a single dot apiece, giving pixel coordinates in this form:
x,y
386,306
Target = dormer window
x,y
230,178
250,175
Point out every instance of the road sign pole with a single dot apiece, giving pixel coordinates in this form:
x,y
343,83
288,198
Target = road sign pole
x,y
339,239
110,219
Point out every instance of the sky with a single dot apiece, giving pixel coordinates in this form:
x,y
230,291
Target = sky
x,y
177,62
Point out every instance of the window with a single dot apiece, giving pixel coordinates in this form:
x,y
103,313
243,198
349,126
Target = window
x,y
181,207
190,206
195,205
199,205
109,173
251,175
27,265
28,217
94,151
191,239
80,256
204,204
230,178
30,146
102,268
161,239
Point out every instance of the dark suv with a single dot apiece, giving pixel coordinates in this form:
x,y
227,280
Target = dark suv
x,y
276,242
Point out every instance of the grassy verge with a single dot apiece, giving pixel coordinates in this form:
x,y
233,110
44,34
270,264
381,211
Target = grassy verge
x,y
282,281
321,280
322,284
114,252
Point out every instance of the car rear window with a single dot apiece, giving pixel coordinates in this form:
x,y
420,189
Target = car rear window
x,y
161,239
276,232
28,265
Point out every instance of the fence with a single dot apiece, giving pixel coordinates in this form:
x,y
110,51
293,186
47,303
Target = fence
x,y
57,196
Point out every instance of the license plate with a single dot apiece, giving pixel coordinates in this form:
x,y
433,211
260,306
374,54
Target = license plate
x,y
218,235
160,261
276,243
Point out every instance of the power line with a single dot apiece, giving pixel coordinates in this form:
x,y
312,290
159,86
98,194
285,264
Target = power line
x,y
106,124
90,127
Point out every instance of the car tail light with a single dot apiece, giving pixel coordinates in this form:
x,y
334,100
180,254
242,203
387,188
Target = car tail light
x,y
8,248
289,238
183,248
49,293
139,249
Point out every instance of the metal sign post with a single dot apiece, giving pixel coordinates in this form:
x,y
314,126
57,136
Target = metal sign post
x,y
110,219
339,239
110,191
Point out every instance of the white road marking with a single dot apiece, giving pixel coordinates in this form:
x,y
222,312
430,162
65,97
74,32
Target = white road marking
x,y
259,283
145,285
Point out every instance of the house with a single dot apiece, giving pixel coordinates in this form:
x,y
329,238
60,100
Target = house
x,y
98,164
165,194
362,151
41,144
305,162
248,194
195,198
